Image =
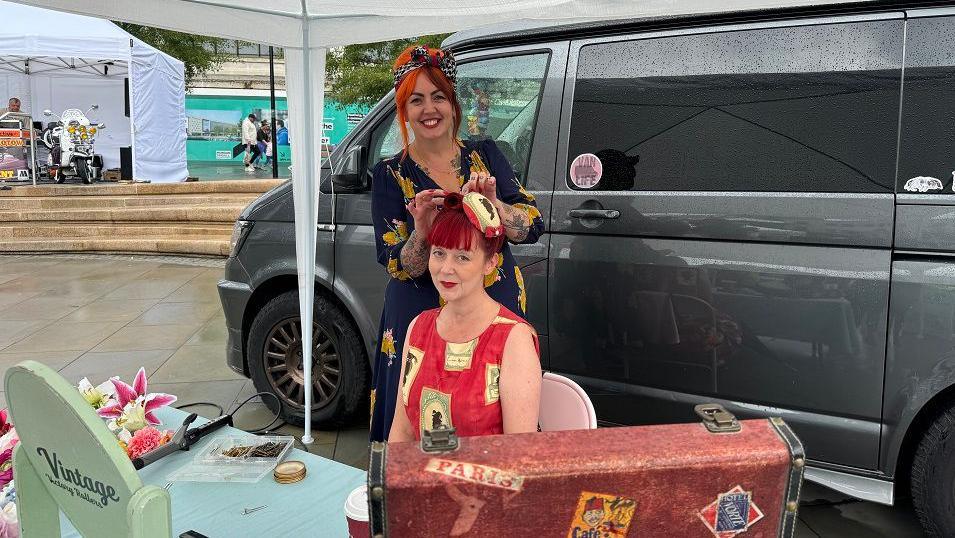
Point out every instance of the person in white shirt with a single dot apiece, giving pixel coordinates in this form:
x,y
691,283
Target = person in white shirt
x,y
249,139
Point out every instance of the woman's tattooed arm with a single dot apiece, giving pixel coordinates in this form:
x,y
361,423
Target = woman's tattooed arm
x,y
414,255
517,224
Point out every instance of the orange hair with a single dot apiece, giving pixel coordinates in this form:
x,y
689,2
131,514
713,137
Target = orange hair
x,y
404,90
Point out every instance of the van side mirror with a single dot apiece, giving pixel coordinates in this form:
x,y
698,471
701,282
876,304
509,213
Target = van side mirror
x,y
347,176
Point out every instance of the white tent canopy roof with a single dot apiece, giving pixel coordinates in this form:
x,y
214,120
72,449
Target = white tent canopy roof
x,y
327,23
32,32
306,28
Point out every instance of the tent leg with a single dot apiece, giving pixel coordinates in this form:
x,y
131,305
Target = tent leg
x,y
306,98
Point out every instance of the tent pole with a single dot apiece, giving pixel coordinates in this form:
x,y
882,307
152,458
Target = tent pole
x,y
132,112
304,196
305,179
275,148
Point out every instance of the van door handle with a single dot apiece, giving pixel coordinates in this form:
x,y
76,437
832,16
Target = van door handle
x,y
593,213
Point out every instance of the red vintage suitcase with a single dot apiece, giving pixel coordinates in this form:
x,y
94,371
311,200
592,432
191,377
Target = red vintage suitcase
x,y
681,480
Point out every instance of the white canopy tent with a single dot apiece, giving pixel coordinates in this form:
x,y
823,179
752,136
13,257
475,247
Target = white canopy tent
x,y
307,28
55,60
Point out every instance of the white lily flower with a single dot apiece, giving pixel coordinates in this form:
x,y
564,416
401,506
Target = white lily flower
x,y
133,417
98,396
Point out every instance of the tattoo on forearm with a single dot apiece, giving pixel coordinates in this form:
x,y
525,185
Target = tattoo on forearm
x,y
517,224
414,255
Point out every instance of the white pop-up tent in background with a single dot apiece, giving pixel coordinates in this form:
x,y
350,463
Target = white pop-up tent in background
x,y
307,28
55,60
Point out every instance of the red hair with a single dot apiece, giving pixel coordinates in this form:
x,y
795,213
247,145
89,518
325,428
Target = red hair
x,y
453,230
404,90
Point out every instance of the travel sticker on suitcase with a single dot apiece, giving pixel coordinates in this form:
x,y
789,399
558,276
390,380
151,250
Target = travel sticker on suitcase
x,y
599,516
731,513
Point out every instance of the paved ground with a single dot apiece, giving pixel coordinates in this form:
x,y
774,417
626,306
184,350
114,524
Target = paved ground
x,y
217,171
97,316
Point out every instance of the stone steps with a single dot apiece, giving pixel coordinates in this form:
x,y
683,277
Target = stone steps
x,y
206,246
42,230
195,213
102,202
193,218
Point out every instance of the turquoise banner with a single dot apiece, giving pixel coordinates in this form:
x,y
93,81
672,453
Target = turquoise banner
x,y
213,124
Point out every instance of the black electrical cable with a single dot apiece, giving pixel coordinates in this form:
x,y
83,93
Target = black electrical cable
x,y
210,404
277,417
277,421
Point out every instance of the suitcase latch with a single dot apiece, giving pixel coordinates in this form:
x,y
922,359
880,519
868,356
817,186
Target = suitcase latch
x,y
716,419
439,440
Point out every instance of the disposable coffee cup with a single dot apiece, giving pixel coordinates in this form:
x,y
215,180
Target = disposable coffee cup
x,y
356,513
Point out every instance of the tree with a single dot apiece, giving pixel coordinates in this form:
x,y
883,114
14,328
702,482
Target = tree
x,y
200,54
361,74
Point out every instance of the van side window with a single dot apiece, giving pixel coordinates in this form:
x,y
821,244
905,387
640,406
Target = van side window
x,y
927,142
795,109
499,98
385,140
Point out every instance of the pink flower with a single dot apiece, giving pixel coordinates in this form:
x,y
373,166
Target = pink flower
x,y
135,395
142,442
6,467
5,424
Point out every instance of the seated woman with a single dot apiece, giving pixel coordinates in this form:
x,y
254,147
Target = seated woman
x,y
472,364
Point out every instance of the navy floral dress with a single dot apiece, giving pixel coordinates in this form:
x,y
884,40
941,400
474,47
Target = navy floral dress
x,y
395,183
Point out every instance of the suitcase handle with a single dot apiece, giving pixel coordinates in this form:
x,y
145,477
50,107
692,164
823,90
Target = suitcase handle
x,y
716,419
439,440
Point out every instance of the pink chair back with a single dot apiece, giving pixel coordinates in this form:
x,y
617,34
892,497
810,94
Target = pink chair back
x,y
564,405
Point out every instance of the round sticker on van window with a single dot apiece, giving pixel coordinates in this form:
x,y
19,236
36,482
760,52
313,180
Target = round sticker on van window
x,y
586,170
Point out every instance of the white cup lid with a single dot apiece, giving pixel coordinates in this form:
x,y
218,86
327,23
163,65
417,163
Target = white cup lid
x,y
356,505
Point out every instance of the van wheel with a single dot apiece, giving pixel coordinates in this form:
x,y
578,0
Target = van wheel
x,y
339,368
933,477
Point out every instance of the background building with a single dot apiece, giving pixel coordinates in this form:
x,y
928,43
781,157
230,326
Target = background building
x,y
218,101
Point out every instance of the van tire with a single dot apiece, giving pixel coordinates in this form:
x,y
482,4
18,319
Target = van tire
x,y
334,333
933,476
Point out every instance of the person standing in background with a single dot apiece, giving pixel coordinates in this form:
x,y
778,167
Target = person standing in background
x,y
13,105
261,140
281,133
249,139
265,143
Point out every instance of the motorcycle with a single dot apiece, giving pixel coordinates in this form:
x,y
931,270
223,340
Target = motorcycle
x,y
70,142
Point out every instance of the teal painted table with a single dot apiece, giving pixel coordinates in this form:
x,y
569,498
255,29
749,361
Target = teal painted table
x,y
312,507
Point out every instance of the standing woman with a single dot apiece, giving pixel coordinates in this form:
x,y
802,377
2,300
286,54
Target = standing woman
x,y
407,191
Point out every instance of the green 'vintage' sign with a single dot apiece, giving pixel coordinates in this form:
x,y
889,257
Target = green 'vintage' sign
x,y
75,482
68,461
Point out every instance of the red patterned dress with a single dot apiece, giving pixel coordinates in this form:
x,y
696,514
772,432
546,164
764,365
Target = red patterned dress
x,y
455,384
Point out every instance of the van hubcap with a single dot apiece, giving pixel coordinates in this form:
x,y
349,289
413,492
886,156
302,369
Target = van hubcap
x,y
285,368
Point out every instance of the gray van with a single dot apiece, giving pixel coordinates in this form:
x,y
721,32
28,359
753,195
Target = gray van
x,y
784,246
